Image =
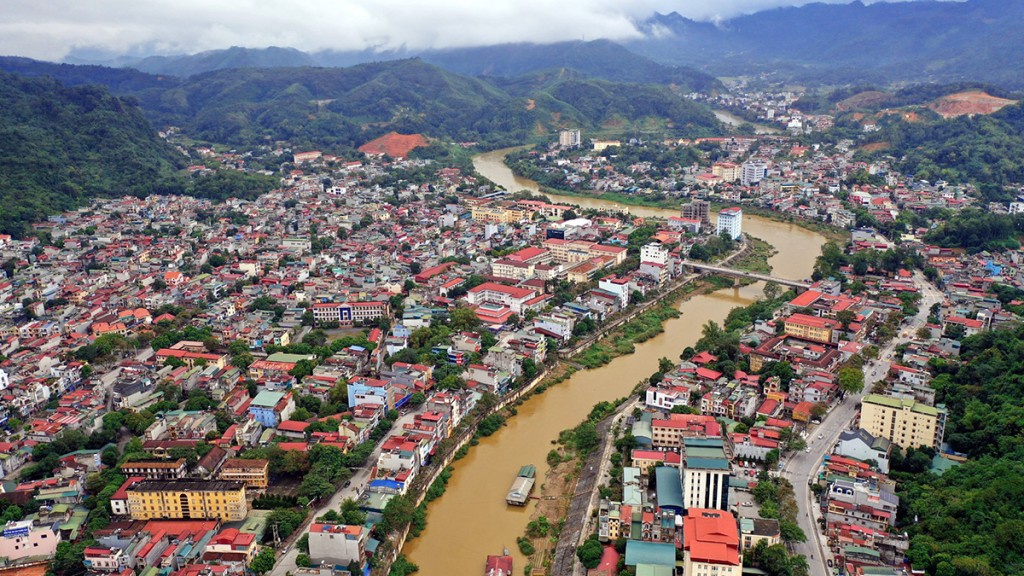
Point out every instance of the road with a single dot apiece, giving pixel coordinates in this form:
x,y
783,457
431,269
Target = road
x,y
286,562
802,467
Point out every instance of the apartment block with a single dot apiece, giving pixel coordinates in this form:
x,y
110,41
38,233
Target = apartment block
x,y
188,499
904,422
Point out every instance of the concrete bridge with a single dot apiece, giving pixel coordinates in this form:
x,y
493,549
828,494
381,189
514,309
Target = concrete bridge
x,y
744,274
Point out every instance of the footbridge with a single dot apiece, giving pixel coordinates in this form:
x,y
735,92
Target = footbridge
x,y
799,285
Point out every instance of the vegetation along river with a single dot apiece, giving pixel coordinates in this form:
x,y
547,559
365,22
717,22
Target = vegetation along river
x,y
472,520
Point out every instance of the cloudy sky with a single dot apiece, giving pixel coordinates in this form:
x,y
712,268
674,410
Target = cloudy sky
x,y
51,29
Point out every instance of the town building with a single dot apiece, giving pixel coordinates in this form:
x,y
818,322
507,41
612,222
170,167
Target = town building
x,y
271,408
337,544
730,221
197,499
24,539
155,469
254,473
711,544
706,470
569,138
906,423
699,210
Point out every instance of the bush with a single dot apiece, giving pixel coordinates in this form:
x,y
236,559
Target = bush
x,y
525,546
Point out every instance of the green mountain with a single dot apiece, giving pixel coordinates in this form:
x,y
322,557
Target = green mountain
x,y
234,57
60,145
345,107
880,42
599,59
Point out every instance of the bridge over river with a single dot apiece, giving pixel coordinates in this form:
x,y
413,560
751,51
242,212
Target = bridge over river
x,y
799,285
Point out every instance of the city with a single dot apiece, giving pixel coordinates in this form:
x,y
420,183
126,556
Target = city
x,y
767,329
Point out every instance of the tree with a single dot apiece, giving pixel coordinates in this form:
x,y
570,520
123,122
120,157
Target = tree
x,y
819,410
851,379
417,399
699,252
665,365
585,437
351,514
242,361
791,532
398,512
590,552
845,318
264,561
772,290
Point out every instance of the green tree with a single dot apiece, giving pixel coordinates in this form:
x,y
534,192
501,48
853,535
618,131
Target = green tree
x,y
851,379
264,561
589,553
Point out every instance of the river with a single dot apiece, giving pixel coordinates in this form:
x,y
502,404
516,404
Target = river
x,y
734,121
472,520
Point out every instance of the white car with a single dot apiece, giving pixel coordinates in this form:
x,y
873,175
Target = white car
x,y
808,449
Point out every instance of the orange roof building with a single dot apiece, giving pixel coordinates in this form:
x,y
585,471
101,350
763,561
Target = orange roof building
x,y
711,543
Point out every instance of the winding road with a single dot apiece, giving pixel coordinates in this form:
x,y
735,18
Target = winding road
x,y
803,467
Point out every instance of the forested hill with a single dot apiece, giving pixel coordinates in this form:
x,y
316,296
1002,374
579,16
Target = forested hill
x,y
342,107
838,43
971,519
599,59
60,145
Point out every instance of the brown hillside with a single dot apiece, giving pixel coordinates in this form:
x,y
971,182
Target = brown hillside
x,y
870,99
394,144
973,102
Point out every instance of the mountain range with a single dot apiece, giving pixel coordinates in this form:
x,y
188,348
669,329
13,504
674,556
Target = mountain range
x,y
344,107
830,44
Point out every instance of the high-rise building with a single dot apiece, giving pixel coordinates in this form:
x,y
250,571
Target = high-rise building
x,y
705,475
730,220
569,138
753,172
698,210
904,422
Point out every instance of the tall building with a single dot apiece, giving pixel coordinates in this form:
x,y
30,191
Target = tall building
x,y
753,172
711,544
705,474
730,220
569,138
188,499
904,422
699,210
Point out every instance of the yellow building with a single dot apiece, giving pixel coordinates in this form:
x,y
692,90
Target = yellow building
x,y
906,423
811,328
188,499
254,473
500,214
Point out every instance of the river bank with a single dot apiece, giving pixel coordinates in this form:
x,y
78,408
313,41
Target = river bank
x,y
503,176
472,519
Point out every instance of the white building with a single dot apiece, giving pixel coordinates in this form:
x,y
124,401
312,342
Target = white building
x,y
654,252
569,138
337,544
730,220
753,172
705,477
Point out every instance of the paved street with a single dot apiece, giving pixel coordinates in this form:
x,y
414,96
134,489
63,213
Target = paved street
x,y
286,562
803,466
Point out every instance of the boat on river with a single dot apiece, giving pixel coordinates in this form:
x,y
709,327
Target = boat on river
x,y
519,493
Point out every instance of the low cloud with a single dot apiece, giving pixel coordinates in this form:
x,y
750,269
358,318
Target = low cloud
x,y
51,29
